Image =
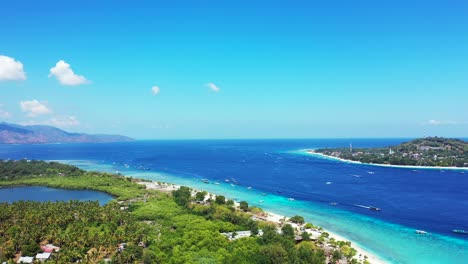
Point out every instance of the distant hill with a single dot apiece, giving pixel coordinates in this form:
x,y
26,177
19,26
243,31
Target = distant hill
x,y
17,134
430,151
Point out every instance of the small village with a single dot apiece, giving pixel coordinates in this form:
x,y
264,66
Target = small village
x,y
435,151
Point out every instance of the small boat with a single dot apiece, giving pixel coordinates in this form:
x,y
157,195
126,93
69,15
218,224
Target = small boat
x,y
261,201
460,231
328,183
249,188
279,191
291,199
205,181
217,183
233,185
421,232
226,180
333,203
374,208
370,172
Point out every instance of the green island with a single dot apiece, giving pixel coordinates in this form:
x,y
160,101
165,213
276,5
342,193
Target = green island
x,y
142,225
430,151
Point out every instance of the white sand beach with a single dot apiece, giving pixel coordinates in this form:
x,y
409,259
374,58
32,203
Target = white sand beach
x,y
311,152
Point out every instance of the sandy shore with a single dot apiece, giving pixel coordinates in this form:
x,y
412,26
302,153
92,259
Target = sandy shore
x,y
272,217
382,165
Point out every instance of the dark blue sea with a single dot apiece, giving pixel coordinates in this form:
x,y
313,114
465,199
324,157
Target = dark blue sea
x,y
433,200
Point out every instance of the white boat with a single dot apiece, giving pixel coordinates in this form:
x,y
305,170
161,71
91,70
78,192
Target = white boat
x,y
421,232
261,201
249,187
291,199
328,183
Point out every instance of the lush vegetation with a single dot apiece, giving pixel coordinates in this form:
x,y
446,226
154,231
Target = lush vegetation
x,y
157,227
431,151
12,170
84,231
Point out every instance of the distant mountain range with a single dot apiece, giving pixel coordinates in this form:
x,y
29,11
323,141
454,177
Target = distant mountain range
x,y
17,134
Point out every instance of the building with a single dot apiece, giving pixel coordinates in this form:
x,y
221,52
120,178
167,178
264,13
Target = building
x,y
49,248
240,234
25,260
42,256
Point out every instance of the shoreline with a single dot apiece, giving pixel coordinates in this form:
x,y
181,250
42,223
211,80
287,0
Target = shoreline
x,y
272,217
312,153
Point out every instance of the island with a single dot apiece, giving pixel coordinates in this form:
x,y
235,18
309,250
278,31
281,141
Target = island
x,y
429,152
150,222
40,134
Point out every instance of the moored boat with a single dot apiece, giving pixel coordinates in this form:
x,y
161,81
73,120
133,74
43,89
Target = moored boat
x,y
460,231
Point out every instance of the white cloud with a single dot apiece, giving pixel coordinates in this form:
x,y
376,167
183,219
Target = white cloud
x,y
34,108
65,74
63,121
155,90
213,87
11,69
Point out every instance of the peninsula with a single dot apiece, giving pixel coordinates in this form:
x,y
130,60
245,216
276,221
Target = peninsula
x,y
430,152
151,222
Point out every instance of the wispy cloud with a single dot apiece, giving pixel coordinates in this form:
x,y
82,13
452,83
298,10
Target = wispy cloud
x,y
62,121
435,122
65,75
3,113
34,108
155,90
11,69
213,87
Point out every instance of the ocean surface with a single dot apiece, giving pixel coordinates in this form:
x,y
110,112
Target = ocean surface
x,y
433,200
46,194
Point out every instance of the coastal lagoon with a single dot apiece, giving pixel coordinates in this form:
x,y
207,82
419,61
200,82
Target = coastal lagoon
x,y
268,172
47,194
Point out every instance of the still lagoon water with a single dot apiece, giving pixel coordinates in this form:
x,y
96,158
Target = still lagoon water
x,y
46,194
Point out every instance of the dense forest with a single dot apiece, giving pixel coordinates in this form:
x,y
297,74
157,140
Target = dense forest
x,y
145,226
431,151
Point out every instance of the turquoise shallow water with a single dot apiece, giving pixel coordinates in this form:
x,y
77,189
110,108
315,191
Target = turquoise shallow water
x,y
391,242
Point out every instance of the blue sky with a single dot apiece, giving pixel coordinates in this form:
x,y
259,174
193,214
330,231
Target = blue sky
x,y
237,69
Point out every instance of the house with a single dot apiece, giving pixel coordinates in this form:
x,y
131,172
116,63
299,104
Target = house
x,y
49,248
25,260
240,234
42,256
